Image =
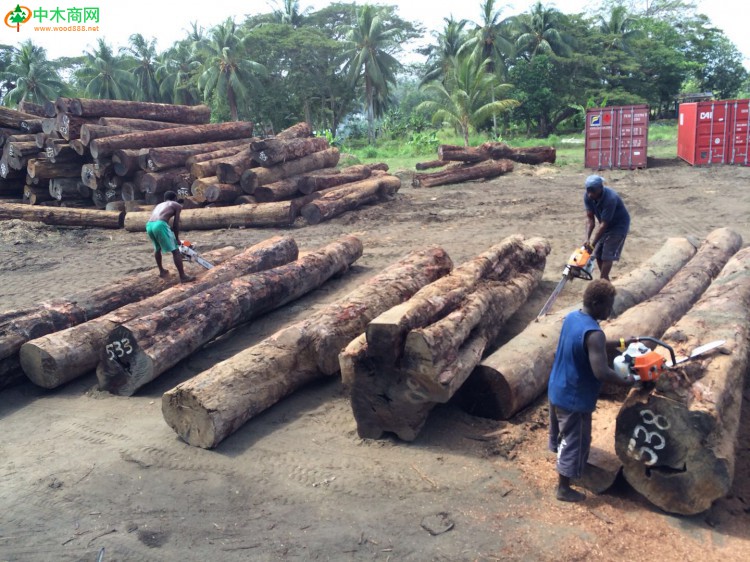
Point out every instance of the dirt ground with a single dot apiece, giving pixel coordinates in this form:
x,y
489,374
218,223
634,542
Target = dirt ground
x,y
84,473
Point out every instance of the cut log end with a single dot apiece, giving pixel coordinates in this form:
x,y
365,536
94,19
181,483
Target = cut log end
x,y
36,363
124,367
185,414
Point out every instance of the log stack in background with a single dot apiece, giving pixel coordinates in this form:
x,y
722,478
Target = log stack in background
x,y
419,353
117,155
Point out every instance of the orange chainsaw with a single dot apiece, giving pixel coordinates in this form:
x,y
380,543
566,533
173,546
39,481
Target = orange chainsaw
x,y
646,365
579,266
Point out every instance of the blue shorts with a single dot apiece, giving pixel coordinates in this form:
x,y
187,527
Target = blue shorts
x,y
609,247
570,438
161,236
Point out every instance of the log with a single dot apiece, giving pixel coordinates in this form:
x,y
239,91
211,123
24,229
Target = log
x,y
172,137
167,156
677,441
78,146
298,131
222,193
138,124
230,169
35,195
127,161
195,114
61,216
61,105
483,170
272,151
512,377
49,126
255,177
69,126
336,202
212,405
68,188
22,148
213,155
32,108
207,168
497,151
21,325
199,186
160,182
323,179
91,131
32,125
431,164
45,168
437,356
196,320
60,357
12,118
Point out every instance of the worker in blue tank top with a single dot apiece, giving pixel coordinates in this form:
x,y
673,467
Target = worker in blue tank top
x,y
579,369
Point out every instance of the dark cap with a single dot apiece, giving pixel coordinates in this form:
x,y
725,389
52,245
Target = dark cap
x,y
594,182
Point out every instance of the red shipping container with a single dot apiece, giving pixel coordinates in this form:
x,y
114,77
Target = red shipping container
x,y
617,137
714,132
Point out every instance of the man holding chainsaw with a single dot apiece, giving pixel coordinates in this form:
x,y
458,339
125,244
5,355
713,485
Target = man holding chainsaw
x,y
606,206
579,369
164,238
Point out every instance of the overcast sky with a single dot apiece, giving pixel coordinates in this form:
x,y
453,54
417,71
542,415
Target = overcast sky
x,y
169,21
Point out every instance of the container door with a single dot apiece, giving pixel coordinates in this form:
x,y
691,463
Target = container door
x,y
686,132
712,132
632,137
739,132
600,139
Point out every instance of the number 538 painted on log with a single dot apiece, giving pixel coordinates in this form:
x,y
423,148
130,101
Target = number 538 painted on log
x,y
118,348
652,440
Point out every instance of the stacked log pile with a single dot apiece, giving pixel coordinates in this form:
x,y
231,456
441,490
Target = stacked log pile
x,y
212,405
120,155
486,161
419,353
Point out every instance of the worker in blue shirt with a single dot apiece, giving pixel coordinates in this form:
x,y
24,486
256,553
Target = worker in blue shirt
x,y
579,369
606,206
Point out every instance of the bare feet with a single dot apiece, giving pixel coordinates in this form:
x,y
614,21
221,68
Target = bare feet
x,y
187,279
164,274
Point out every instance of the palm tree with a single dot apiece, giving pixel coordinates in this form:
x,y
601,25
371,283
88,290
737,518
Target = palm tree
x,y
144,52
368,57
619,31
227,71
290,13
177,74
465,99
540,31
104,75
441,56
30,76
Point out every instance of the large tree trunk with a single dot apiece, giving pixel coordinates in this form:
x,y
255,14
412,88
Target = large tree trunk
x,y
222,193
126,162
323,179
255,177
297,131
211,406
269,152
161,158
517,373
350,197
161,182
496,151
57,358
433,341
193,114
68,188
457,174
45,168
90,131
172,137
12,118
431,164
196,320
259,214
19,326
138,124
230,169
677,441
62,216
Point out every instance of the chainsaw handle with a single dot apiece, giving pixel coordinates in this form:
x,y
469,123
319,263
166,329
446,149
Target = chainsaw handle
x,y
657,342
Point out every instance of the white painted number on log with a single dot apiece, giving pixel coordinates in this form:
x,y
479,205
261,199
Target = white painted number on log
x,y
650,441
119,348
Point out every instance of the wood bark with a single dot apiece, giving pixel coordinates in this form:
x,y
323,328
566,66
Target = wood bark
x,y
255,177
161,182
69,126
431,164
497,151
297,131
222,193
32,125
12,118
35,195
172,137
138,124
196,320
21,325
513,376
126,161
211,406
269,152
45,168
323,179
91,131
444,344
68,188
61,216
230,169
167,156
483,170
32,108
350,197
677,441
60,357
193,114
213,155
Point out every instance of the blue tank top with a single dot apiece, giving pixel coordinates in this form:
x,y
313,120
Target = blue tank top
x,y
572,384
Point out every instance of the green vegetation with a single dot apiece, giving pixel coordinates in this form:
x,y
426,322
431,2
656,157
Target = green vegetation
x,y
344,69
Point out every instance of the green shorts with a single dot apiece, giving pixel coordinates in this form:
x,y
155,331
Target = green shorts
x,y
162,236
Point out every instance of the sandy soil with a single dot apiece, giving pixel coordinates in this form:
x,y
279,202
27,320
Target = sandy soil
x,y
82,471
